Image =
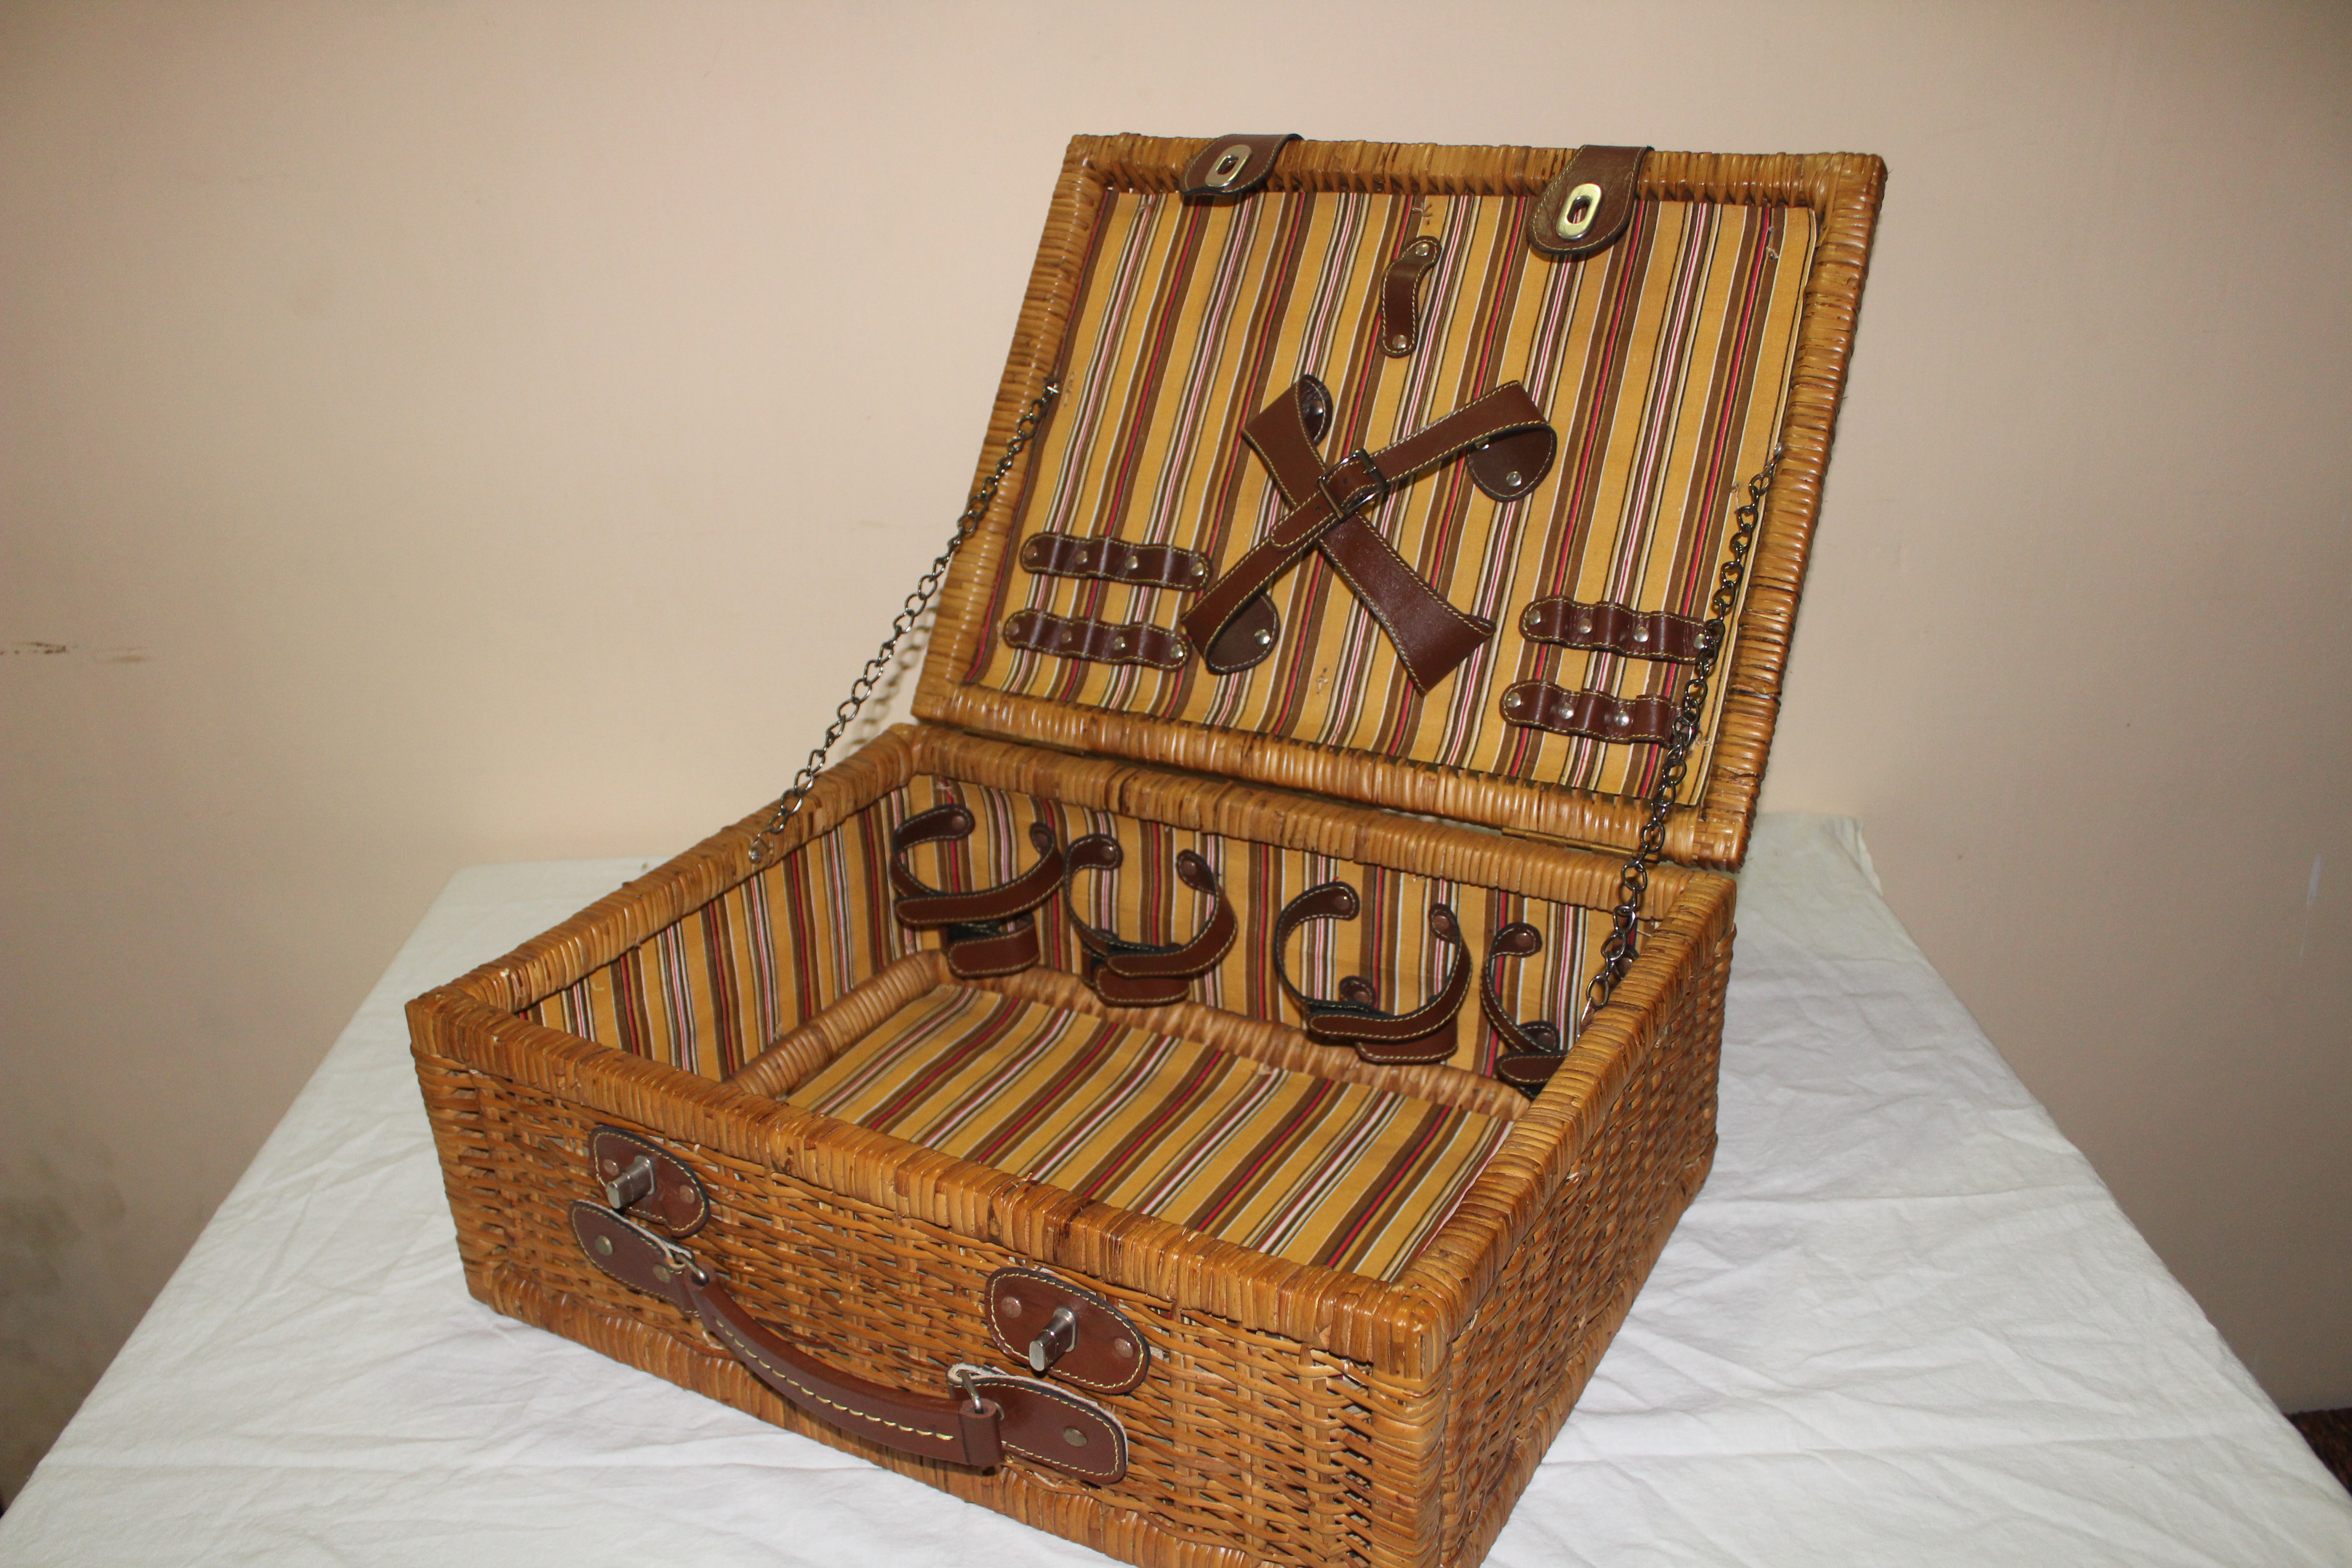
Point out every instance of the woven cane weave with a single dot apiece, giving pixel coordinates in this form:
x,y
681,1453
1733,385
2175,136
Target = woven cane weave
x,y
1294,1166
1663,363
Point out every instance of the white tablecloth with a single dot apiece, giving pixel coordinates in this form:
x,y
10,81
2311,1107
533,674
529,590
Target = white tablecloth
x,y
1903,1324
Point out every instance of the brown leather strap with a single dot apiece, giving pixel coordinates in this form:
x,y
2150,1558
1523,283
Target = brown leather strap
x,y
1587,203
1148,565
1426,1034
1079,636
1541,705
1614,629
1432,636
1234,165
1000,1412
1144,974
1532,1050
988,931
1401,296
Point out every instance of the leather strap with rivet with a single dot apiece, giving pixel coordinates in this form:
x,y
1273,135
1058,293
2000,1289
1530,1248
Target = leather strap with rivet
x,y
1401,296
1355,1018
1099,642
1115,561
989,931
988,1415
1541,705
1614,628
1508,448
1146,975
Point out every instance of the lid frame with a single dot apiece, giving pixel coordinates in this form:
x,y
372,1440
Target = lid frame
x,y
1843,191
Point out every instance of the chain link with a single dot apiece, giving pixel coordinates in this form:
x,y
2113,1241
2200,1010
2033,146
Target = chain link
x,y
926,588
1617,953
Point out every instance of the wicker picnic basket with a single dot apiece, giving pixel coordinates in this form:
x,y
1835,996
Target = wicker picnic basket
x,y
1212,1088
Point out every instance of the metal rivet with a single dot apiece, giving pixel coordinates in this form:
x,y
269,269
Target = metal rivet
x,y
1640,633
611,1167
660,1271
1134,562
1399,342
1265,638
604,1247
1009,1305
1511,480
1073,1438
1511,701
1123,1349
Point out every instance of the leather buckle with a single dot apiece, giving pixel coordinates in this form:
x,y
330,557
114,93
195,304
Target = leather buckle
x,y
1353,483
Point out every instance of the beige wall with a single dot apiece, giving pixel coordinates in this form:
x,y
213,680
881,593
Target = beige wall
x,y
433,434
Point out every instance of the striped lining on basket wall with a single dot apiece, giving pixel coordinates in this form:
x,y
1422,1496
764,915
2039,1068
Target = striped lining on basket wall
x,y
1299,1167
1663,364
711,992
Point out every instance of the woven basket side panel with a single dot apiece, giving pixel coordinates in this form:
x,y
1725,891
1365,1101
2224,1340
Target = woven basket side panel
x,y
1244,1445
1526,1356
1389,943
1664,364
709,991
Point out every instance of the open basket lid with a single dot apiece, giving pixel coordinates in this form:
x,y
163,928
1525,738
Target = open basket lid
x,y
1262,340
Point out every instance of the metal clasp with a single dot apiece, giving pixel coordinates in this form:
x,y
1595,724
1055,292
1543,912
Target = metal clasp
x,y
633,1185
1367,486
1057,1340
1229,165
1577,213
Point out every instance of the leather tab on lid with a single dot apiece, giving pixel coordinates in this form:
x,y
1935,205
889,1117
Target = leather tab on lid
x,y
1587,203
1234,165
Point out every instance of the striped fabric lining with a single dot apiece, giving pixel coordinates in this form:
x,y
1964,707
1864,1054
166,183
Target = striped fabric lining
x,y
1663,362
711,992
1342,1176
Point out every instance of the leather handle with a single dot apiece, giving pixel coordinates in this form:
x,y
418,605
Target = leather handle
x,y
999,1412
989,932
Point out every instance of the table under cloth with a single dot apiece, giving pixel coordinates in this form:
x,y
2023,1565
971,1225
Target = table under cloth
x,y
1904,1323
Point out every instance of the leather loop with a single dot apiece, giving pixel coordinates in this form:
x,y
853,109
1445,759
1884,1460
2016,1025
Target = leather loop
x,y
1232,165
1587,203
1115,561
1080,636
1401,296
1426,1034
1146,974
1541,705
988,931
1431,637
1531,1050
1613,628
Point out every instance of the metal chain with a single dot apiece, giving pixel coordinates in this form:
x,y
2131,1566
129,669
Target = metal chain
x,y
1618,953
926,587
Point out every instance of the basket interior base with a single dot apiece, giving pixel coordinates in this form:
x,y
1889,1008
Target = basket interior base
x,y
1296,1165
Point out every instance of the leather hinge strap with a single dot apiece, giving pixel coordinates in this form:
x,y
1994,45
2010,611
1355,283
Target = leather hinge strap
x,y
1509,448
1541,705
1425,1034
1613,628
988,931
1128,974
1587,203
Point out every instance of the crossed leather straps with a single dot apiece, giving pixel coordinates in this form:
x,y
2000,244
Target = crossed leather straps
x,y
1508,448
